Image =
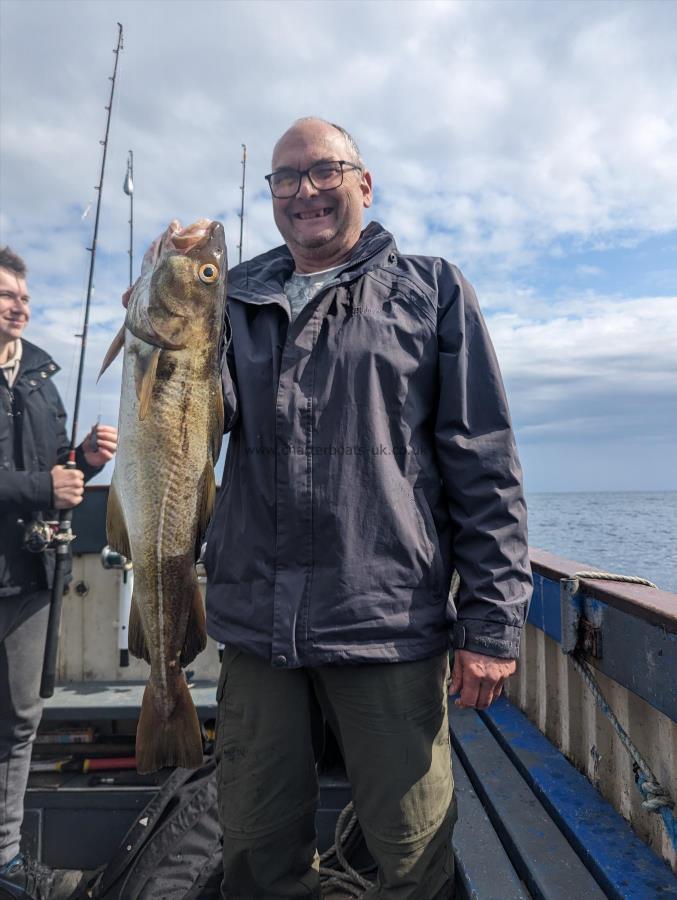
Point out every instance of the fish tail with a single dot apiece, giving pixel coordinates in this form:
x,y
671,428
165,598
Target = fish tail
x,y
175,741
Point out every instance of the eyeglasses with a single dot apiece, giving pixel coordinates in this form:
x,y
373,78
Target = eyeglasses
x,y
324,176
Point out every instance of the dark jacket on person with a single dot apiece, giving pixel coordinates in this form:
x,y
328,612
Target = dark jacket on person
x,y
370,454
32,441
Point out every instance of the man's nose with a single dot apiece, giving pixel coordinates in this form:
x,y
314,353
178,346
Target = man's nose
x,y
306,187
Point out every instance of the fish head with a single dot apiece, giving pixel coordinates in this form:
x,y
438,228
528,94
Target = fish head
x,y
179,297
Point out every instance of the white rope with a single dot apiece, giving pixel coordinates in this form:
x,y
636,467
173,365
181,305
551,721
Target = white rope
x,y
611,576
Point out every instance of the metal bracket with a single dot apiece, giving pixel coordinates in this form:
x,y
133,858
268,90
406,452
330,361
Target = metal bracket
x,y
581,620
590,638
570,611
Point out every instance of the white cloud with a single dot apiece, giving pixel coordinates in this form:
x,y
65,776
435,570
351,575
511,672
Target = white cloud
x,y
497,132
599,367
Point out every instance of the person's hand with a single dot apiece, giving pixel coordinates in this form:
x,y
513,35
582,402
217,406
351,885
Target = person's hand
x,y
478,678
100,445
68,487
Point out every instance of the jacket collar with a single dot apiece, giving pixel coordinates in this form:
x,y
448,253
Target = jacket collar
x,y
262,279
35,362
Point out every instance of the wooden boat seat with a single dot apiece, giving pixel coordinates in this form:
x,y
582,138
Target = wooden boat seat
x,y
530,825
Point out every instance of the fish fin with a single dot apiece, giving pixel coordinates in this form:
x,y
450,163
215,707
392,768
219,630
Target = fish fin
x,y
175,741
206,508
113,350
150,335
218,423
196,629
116,529
145,371
136,636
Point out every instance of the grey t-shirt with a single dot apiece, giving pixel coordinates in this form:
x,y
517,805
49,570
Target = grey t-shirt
x,y
300,289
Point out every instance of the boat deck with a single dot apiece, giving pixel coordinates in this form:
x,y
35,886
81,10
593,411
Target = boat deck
x,y
530,825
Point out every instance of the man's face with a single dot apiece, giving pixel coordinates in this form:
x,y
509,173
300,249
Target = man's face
x,y
14,309
319,227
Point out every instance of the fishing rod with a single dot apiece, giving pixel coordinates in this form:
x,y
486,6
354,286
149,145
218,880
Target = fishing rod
x,y
63,536
241,213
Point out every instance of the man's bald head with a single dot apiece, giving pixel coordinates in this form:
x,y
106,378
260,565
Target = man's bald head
x,y
318,125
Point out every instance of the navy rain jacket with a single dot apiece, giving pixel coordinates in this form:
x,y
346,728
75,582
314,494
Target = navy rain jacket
x,y
370,454
33,440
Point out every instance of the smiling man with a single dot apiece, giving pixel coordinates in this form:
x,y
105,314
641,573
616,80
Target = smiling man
x,y
371,454
319,218
33,485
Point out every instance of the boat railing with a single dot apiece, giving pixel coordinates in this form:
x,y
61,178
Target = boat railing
x,y
625,635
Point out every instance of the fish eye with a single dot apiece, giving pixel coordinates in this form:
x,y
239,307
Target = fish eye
x,y
208,273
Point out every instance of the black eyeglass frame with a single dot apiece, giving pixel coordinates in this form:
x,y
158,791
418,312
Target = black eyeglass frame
x,y
346,166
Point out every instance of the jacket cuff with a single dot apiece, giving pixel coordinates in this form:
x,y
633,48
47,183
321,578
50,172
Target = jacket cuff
x,y
82,464
489,638
42,487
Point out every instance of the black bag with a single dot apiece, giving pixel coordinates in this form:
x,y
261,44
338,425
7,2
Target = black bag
x,y
173,849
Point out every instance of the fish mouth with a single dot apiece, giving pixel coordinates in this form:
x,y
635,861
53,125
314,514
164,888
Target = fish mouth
x,y
213,243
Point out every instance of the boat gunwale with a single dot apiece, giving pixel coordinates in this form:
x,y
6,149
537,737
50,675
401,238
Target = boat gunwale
x,y
653,605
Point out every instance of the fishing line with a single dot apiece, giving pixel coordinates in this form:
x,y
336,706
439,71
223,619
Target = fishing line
x,y
75,350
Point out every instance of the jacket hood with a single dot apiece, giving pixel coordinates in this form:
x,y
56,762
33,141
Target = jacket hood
x,y
262,279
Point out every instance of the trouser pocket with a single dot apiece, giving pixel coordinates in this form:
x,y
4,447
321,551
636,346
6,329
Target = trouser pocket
x,y
230,654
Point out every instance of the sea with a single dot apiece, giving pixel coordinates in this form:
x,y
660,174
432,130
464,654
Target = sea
x,y
629,533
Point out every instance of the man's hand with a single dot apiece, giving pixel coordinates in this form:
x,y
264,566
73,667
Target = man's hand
x,y
100,445
478,678
68,487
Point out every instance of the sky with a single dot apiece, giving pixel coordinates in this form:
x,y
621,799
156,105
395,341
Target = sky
x,y
534,144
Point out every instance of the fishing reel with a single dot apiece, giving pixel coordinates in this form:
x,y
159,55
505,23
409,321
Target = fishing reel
x,y
38,535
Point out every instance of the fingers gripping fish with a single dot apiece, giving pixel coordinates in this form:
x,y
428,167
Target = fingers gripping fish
x,y
162,490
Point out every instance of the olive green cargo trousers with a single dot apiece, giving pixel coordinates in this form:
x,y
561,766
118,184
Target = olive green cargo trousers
x,y
391,723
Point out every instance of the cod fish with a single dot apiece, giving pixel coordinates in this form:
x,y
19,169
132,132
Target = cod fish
x,y
162,490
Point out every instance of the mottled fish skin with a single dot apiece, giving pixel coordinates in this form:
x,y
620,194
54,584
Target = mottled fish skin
x,y
163,484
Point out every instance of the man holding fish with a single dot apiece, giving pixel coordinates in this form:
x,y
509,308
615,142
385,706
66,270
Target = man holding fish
x,y
370,454
34,484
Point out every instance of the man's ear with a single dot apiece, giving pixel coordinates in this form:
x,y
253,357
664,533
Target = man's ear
x,y
366,188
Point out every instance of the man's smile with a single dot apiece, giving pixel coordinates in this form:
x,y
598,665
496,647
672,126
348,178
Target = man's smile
x,y
313,213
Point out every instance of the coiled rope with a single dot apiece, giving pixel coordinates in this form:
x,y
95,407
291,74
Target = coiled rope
x,y
656,798
346,837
